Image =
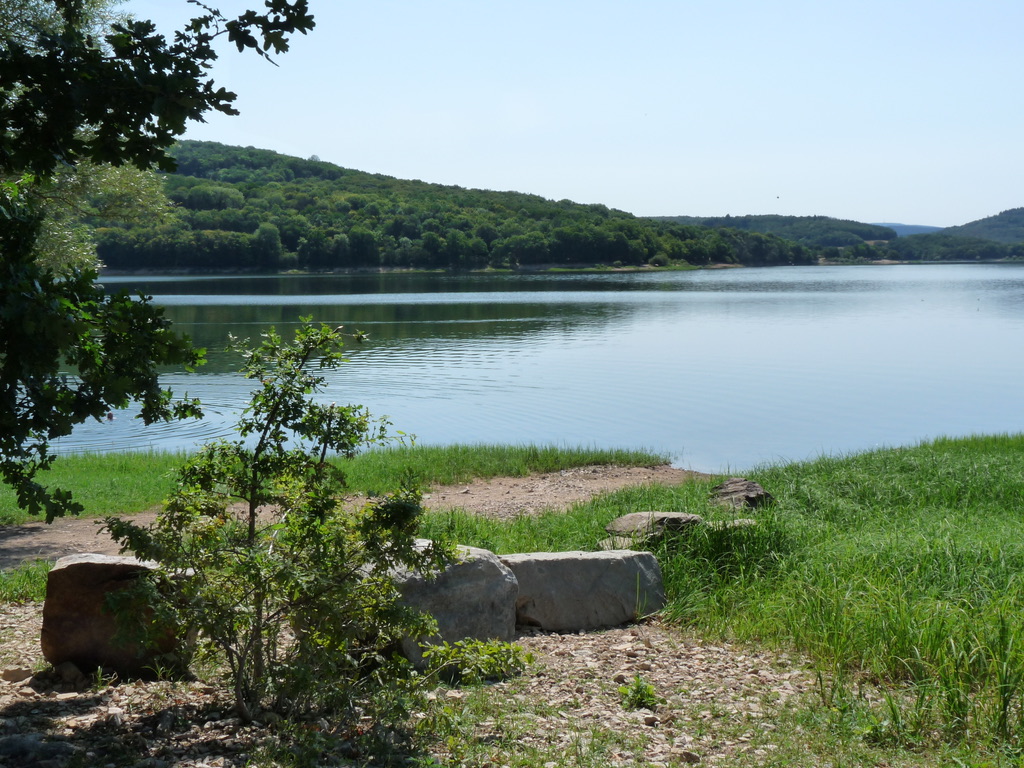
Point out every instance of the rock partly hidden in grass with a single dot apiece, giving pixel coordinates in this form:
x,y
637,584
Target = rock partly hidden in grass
x,y
739,493
79,627
638,529
473,598
573,591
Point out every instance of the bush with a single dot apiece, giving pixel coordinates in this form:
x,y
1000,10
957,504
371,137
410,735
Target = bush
x,y
473,662
293,589
639,694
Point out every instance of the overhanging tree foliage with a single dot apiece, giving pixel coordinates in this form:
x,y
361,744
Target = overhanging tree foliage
x,y
70,96
50,323
75,90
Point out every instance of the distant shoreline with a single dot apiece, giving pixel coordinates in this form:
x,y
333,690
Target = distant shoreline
x,y
552,269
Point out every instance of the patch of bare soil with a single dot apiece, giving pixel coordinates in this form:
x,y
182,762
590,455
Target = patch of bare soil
x,y
502,497
507,497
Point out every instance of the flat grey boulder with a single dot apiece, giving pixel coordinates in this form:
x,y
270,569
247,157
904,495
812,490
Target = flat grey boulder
x,y
473,598
574,591
78,627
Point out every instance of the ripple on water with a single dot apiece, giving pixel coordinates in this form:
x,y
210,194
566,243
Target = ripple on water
x,y
126,432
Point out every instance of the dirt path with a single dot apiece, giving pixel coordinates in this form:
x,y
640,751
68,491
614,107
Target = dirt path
x,y
502,497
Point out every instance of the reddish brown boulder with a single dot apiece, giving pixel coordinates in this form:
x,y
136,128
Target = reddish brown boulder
x,y
79,628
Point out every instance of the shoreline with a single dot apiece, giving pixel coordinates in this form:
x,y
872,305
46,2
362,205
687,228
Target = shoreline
x,y
547,269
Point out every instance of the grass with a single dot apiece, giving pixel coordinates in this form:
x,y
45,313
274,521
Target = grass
x,y
478,728
581,527
24,584
905,568
445,465
104,483
123,483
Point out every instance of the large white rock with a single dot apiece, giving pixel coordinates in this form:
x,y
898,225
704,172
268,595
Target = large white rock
x,y
473,598
573,591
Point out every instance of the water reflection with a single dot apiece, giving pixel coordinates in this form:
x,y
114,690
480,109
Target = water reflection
x,y
717,368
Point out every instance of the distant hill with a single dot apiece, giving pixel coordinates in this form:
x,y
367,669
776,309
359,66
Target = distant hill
x,y
247,209
1006,227
818,231
904,230
942,246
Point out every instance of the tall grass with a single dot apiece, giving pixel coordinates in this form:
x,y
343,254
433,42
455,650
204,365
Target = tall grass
x,y
900,567
579,528
24,584
124,483
904,566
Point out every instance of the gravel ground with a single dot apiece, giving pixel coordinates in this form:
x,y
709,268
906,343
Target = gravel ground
x,y
716,704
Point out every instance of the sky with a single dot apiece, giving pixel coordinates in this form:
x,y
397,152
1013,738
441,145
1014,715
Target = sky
x,y
905,111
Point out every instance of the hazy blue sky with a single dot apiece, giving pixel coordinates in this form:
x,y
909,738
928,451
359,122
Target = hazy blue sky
x,y
901,111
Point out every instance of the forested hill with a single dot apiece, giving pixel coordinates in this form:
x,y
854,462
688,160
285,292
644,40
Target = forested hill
x,y
251,209
904,230
1006,227
817,231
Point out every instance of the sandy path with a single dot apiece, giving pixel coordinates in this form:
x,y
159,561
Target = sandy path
x,y
502,497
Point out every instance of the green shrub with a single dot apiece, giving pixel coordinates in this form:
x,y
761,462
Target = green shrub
x,y
639,694
262,561
475,661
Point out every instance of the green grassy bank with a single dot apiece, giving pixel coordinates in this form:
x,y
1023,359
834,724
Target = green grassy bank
x,y
123,483
900,572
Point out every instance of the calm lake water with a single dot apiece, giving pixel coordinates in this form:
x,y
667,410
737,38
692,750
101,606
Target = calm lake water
x,y
722,370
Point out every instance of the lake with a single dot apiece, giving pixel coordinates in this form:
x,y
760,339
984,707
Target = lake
x,y
719,369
